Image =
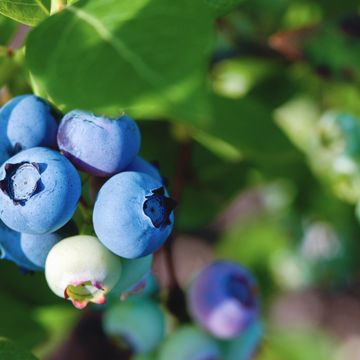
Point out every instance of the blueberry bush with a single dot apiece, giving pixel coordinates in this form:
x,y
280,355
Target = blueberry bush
x,y
179,179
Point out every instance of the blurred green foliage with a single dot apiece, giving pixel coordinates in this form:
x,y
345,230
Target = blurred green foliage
x,y
12,351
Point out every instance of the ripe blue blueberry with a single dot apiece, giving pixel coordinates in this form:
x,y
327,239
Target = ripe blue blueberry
x,y
39,191
26,121
189,343
141,165
133,216
223,299
29,251
81,269
140,323
98,145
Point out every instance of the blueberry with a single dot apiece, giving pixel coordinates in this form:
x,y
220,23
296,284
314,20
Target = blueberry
x,y
139,323
141,165
30,251
81,269
26,121
39,191
133,216
244,346
97,145
189,343
223,299
133,276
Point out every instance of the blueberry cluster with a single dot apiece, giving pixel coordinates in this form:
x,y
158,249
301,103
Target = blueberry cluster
x,y
222,300
40,188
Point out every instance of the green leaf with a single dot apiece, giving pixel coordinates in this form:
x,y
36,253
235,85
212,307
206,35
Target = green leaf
x,y
241,125
17,322
7,30
222,7
30,289
261,238
11,351
58,321
8,66
336,7
339,53
144,56
29,12
298,344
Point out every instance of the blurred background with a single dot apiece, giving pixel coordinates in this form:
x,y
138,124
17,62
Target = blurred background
x,y
271,181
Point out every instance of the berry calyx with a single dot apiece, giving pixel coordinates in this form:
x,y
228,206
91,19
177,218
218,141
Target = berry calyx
x,y
158,207
21,181
85,292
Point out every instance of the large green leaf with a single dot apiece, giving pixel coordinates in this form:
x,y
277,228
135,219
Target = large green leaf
x,y
29,12
11,351
7,30
144,56
244,128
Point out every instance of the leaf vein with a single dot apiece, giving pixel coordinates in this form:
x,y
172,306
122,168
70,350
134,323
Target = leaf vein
x,y
37,4
121,49
42,7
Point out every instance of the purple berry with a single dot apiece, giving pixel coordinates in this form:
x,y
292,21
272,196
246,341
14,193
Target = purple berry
x,y
98,145
223,299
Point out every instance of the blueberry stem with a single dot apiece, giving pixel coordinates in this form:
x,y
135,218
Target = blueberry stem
x,y
84,203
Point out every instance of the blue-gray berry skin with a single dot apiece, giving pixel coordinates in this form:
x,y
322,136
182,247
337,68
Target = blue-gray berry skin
x,y
140,323
244,346
141,165
98,145
26,121
189,343
39,191
133,215
133,276
223,299
29,251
